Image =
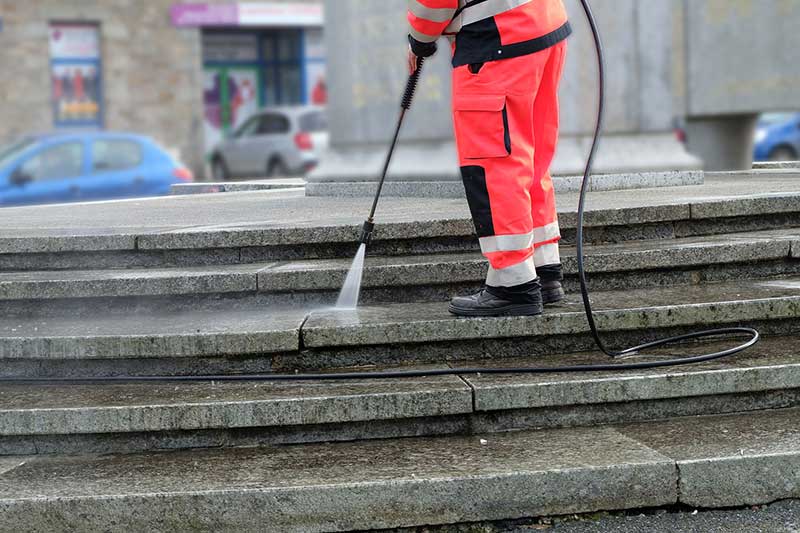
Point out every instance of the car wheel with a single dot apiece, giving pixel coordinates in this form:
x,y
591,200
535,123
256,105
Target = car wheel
x,y
219,170
783,153
277,169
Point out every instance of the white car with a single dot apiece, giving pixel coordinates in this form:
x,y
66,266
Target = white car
x,y
274,142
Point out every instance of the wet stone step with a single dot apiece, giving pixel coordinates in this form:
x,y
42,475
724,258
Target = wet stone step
x,y
716,461
401,279
339,487
427,331
103,418
131,417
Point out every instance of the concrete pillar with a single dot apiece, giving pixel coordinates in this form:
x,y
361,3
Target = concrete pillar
x,y
366,76
722,142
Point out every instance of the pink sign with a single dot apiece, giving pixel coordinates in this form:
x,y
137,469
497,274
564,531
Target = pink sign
x,y
195,15
246,14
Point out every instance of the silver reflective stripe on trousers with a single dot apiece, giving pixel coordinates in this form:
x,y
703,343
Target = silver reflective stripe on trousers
x,y
490,8
433,14
513,275
513,243
547,255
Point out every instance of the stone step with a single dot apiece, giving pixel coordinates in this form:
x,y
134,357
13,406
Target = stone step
x,y
720,461
211,340
402,279
427,332
132,417
444,228
229,338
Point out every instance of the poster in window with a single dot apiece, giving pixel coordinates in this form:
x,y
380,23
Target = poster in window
x,y
76,92
74,41
316,83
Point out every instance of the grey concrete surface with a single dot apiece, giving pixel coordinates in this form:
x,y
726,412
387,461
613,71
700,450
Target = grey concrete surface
x,y
132,282
731,460
129,408
770,365
781,517
295,184
337,487
348,188
225,220
623,310
776,165
174,335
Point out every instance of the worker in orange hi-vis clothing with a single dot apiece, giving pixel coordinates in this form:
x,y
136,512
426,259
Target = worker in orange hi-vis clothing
x,y
508,57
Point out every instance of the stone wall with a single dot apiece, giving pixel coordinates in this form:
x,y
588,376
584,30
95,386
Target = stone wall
x,y
152,71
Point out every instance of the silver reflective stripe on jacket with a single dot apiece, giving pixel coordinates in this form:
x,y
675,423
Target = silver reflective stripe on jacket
x,y
482,11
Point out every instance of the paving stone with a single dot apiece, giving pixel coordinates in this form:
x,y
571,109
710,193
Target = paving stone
x,y
456,268
107,283
728,461
173,335
770,365
621,310
337,487
152,407
737,207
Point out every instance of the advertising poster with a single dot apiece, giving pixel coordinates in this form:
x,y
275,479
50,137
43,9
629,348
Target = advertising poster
x,y
75,74
316,85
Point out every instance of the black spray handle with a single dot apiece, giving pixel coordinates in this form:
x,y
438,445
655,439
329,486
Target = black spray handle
x,y
411,86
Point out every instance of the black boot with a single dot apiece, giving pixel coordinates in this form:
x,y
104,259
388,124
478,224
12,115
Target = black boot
x,y
522,300
551,276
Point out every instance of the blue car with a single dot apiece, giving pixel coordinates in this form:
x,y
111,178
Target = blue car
x,y
74,167
778,137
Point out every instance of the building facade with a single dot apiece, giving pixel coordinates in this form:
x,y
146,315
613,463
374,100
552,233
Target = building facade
x,y
183,73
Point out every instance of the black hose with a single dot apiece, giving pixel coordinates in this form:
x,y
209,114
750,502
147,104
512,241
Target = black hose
x,y
677,361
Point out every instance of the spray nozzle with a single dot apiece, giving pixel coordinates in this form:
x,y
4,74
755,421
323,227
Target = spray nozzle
x,y
366,232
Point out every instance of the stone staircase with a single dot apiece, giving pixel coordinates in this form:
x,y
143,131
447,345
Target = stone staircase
x,y
379,454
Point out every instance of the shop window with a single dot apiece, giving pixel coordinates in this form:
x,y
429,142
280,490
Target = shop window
x,y
55,163
115,155
75,69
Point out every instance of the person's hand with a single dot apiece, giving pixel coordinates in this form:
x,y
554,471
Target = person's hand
x,y
412,61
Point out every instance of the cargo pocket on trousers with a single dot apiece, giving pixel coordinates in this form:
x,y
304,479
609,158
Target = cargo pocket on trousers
x,y
481,123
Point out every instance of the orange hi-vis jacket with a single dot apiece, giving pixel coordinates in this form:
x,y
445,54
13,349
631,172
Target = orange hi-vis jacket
x,y
487,30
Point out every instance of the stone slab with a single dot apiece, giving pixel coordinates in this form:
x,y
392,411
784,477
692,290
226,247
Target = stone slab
x,y
727,461
152,407
255,218
454,189
175,335
238,186
340,487
771,365
776,165
615,310
129,282
465,267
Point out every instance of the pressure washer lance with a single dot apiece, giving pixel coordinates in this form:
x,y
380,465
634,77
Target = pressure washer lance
x,y
408,98
366,234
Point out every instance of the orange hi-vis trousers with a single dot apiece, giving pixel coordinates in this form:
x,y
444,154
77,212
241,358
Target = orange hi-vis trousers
x,y
506,122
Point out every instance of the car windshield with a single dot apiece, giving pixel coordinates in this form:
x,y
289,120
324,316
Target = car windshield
x,y
10,151
314,122
775,118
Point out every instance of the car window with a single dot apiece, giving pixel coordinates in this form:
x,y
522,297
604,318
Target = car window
x,y
115,154
11,151
56,162
248,128
314,122
273,123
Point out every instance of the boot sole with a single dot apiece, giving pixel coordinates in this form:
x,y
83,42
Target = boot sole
x,y
509,310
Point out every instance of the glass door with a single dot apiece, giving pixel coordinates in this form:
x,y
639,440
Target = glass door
x,y
230,96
